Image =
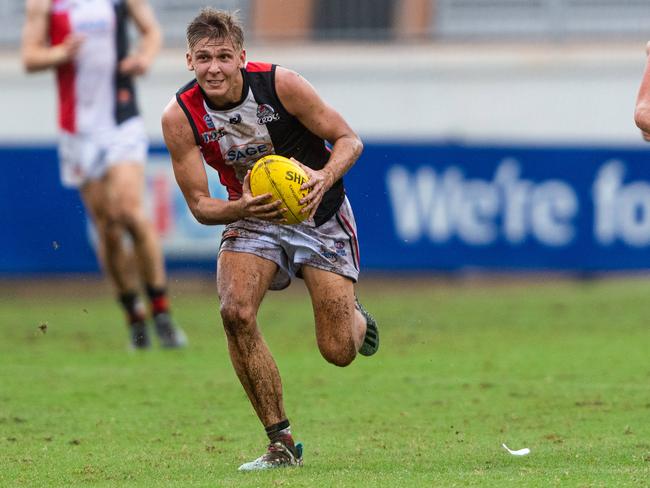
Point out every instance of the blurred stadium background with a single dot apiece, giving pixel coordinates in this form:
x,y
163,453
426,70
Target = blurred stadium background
x,y
499,133
499,137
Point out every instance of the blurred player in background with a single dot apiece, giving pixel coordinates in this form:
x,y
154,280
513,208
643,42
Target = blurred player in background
x,y
642,111
232,114
103,146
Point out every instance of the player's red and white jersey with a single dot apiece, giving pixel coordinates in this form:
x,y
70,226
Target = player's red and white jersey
x,y
92,96
232,139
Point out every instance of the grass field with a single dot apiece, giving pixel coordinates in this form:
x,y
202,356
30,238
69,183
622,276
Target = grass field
x,y
561,367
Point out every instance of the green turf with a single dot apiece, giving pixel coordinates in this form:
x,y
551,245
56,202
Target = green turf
x,y
560,367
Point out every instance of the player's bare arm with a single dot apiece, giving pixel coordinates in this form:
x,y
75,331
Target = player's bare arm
x,y
642,110
190,175
36,52
301,100
140,61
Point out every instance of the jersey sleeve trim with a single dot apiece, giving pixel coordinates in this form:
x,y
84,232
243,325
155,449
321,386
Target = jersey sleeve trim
x,y
181,103
256,67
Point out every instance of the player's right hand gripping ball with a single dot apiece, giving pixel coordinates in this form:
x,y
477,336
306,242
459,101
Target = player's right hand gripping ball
x,y
282,178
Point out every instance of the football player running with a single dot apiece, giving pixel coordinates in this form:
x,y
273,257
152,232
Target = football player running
x,y
102,141
230,115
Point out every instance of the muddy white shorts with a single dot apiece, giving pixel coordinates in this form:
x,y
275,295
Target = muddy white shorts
x,y
332,246
85,157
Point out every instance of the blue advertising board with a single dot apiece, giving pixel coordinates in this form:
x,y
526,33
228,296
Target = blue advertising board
x,y
418,207
448,207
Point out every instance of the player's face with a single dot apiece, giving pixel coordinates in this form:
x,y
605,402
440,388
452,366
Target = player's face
x,y
216,64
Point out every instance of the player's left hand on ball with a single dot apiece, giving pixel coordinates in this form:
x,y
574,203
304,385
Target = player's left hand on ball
x,y
318,183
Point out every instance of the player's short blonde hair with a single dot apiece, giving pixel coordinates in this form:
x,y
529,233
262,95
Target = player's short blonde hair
x,y
215,24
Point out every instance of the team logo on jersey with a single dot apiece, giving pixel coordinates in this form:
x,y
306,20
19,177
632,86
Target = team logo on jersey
x,y
208,121
266,114
340,248
213,135
235,119
94,26
237,153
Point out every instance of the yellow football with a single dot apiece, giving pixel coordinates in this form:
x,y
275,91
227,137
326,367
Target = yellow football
x,y
282,178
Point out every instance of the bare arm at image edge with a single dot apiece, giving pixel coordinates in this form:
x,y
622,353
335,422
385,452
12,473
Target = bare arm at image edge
x,y
642,110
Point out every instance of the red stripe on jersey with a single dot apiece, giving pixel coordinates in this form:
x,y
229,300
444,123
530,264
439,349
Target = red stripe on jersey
x,y
195,108
212,154
65,74
254,67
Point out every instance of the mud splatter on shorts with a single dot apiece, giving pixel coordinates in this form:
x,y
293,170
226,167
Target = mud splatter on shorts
x,y
332,246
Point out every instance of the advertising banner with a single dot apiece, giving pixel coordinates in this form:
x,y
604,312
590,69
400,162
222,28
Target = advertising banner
x,y
429,207
452,206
